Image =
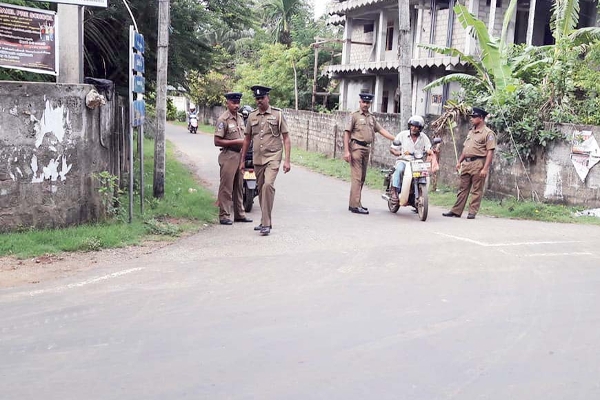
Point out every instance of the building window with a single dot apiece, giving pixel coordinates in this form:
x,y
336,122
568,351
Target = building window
x,y
389,39
436,99
368,28
498,3
384,101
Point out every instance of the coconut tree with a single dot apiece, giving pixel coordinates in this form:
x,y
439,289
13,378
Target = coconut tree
x,y
278,18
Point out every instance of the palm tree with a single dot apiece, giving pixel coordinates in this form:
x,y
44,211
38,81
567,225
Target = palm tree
x,y
278,18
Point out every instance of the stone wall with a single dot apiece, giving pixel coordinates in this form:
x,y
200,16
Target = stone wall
x,y
51,144
552,178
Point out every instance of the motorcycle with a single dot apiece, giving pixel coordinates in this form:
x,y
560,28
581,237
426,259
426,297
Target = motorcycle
x,y
415,184
193,125
249,190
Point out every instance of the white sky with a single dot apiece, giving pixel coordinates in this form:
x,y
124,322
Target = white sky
x,y
319,6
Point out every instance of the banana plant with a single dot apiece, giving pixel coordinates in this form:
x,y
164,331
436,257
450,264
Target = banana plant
x,y
493,69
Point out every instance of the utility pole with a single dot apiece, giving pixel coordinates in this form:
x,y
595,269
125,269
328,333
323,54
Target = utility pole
x,y
70,32
404,59
161,97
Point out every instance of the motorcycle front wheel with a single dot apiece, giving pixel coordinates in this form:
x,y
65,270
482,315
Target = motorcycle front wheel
x,y
248,199
393,206
423,201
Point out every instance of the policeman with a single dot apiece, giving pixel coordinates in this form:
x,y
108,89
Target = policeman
x,y
474,165
228,136
268,131
358,137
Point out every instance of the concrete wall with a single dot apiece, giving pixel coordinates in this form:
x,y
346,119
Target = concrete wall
x,y
50,145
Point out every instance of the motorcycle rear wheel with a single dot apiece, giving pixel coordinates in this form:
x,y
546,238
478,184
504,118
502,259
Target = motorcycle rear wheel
x,y
423,201
248,199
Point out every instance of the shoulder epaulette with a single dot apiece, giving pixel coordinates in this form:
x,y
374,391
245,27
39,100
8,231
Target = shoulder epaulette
x,y
275,108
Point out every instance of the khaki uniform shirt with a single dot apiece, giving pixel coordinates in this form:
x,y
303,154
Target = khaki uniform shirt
x,y
362,127
266,129
479,141
230,126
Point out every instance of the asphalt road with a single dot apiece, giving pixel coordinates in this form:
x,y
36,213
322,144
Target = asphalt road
x,y
331,305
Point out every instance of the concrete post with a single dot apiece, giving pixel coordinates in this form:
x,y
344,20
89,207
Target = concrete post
x,y
381,36
377,103
70,34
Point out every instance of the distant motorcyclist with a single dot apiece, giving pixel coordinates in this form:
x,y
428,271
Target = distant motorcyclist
x,y
245,111
408,144
192,113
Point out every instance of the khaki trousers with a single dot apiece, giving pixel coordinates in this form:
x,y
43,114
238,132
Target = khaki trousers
x,y
359,161
265,184
470,181
230,195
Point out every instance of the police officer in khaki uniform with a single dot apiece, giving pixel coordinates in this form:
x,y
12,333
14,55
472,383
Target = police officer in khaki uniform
x,y
229,136
358,138
474,165
268,131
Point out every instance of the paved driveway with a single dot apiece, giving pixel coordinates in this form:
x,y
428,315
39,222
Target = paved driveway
x,y
331,305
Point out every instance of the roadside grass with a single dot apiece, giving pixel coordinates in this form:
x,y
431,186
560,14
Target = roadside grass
x,y
186,207
445,196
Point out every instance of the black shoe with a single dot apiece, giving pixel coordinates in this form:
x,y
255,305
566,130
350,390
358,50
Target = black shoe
x,y
358,210
471,216
226,222
245,219
265,230
450,214
364,208
259,227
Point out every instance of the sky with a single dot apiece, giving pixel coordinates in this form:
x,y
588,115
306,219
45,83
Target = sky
x,y
319,6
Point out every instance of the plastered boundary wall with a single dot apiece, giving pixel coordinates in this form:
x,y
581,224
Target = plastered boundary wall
x,y
51,144
551,178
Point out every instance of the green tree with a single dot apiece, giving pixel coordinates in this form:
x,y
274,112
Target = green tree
x,y
279,15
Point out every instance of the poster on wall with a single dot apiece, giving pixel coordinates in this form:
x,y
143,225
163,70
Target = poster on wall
x,y
28,39
88,3
585,152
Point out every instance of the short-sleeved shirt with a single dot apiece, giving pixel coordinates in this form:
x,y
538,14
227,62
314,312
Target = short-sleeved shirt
x,y
230,126
479,141
266,129
407,144
362,126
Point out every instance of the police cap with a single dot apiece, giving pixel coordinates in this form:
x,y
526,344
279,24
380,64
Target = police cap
x,y
366,97
260,91
233,96
478,112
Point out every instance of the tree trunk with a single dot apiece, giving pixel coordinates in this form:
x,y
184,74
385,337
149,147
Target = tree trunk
x,y
404,58
161,98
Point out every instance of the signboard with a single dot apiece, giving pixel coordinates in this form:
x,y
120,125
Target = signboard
x,y
28,39
137,82
87,3
139,112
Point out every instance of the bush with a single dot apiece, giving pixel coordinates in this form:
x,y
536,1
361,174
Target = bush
x,y
181,116
171,110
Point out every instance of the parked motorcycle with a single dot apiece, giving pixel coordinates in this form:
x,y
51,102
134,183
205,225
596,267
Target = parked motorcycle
x,y
193,125
415,183
249,191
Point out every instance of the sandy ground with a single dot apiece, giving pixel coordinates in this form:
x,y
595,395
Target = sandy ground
x,y
18,272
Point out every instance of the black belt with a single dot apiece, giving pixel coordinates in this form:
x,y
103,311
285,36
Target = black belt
x,y
469,159
361,143
230,148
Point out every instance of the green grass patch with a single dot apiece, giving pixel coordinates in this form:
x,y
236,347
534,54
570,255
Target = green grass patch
x,y
445,197
185,207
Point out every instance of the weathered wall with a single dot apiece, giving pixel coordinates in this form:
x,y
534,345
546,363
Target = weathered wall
x,y
50,145
552,178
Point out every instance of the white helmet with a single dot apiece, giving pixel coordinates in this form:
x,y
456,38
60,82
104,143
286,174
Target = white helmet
x,y
416,120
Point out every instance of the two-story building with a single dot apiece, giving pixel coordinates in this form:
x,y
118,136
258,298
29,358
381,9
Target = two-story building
x,y
369,61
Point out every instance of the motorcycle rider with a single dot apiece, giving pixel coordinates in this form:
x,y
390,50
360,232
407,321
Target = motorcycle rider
x,y
192,113
408,144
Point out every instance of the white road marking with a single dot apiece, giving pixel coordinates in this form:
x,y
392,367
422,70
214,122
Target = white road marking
x,y
85,283
484,244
